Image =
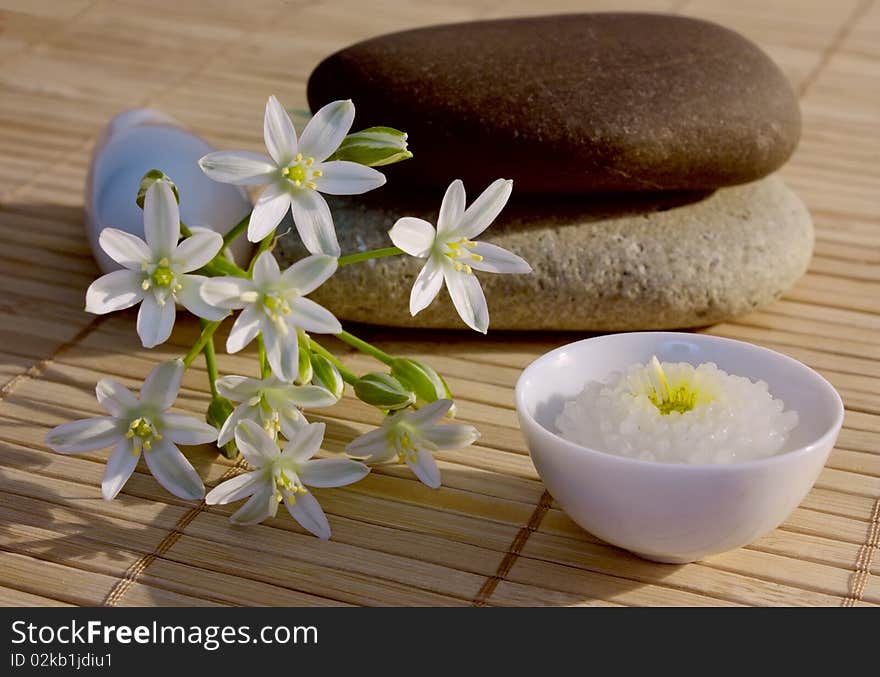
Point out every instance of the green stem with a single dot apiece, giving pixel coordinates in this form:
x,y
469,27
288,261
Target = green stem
x,y
347,375
366,256
265,369
365,347
210,362
221,266
265,243
186,232
236,230
207,332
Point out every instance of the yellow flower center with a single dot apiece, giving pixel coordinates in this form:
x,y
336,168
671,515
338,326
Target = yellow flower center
x,y
270,418
285,484
459,252
276,307
682,397
161,277
403,437
142,432
301,174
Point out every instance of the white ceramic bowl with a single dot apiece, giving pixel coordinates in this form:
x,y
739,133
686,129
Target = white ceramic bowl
x,y
675,512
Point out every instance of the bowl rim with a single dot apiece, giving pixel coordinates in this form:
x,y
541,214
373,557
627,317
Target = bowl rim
x,y
805,450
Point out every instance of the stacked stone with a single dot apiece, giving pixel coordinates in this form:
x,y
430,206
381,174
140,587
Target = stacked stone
x,y
641,148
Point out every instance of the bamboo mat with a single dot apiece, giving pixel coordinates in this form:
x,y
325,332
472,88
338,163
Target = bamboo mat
x,y
491,536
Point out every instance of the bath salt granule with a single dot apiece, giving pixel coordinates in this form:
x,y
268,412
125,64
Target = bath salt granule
x,y
678,413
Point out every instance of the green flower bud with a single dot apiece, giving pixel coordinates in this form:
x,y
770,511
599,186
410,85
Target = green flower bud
x,y
149,179
326,375
383,391
423,380
374,147
305,362
218,411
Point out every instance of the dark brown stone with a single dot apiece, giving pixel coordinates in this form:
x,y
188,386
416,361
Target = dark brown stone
x,y
572,103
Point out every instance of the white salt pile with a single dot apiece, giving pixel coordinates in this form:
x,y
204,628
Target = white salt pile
x,y
675,413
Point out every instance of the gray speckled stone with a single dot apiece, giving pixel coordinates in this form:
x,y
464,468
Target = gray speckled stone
x,y
651,262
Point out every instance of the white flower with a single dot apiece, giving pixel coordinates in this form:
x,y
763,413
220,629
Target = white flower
x,y
284,475
136,426
272,403
412,436
297,173
155,271
274,305
452,255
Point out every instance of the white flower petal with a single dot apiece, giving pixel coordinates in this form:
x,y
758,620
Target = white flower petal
x,y
483,210
187,430
155,321
255,444
238,388
239,167
468,299
326,130
237,488
270,209
278,133
331,472
341,177
373,447
126,249
309,273
307,397
161,220
308,512
190,297
114,397
226,292
291,421
120,465
306,443
266,271
259,507
426,287
314,223
241,413
85,434
425,468
308,315
173,471
196,250
497,260
451,436
414,236
452,207
245,329
161,385
282,351
114,291
429,414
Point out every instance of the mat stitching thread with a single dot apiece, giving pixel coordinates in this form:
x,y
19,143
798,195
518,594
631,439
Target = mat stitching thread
x,y
137,568
147,101
865,556
864,559
836,41
513,552
36,369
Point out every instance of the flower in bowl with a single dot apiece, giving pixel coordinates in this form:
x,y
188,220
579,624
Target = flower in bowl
x,y
675,512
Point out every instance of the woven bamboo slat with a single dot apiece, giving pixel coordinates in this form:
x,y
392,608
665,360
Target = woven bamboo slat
x,y
492,535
